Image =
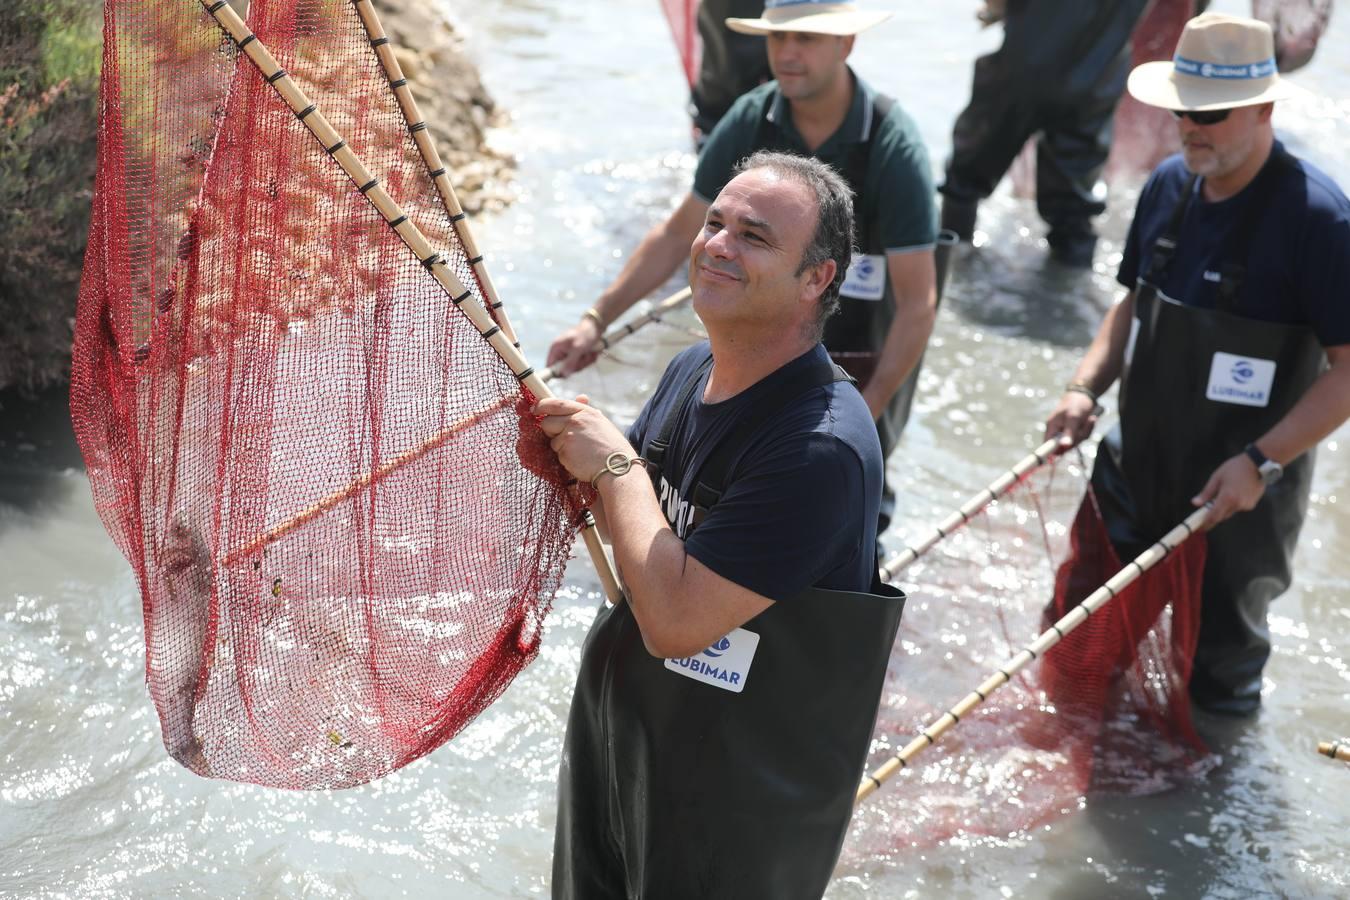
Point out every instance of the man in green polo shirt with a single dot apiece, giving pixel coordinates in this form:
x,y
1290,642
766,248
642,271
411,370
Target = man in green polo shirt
x,y
816,106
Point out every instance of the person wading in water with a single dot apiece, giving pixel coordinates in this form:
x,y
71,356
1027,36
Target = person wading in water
x,y
723,711
1232,347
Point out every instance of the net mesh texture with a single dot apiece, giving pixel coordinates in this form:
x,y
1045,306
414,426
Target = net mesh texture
x,y
682,17
311,459
1103,711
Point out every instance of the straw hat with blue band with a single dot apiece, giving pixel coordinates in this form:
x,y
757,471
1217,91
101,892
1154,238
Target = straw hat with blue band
x,y
838,19
1221,62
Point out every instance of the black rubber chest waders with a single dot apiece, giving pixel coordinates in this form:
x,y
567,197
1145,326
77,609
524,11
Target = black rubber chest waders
x,y
1199,385
729,774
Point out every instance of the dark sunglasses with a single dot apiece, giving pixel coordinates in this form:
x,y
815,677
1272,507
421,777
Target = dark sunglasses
x,y
1202,117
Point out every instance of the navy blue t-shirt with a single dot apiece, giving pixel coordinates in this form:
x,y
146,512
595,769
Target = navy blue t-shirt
x,y
1298,271
800,507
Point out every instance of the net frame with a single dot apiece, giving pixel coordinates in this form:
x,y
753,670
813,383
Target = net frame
x,y
614,335
431,158
929,735
1000,486
336,147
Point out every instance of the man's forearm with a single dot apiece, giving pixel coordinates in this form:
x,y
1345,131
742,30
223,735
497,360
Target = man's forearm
x,y
680,605
1320,411
658,254
913,279
1105,357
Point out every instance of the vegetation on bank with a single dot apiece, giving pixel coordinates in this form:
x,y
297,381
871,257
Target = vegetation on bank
x,y
49,64
50,59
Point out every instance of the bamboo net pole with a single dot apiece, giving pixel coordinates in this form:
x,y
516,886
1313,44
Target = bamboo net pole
x,y
1071,620
336,147
1335,750
995,489
614,335
280,530
314,510
421,135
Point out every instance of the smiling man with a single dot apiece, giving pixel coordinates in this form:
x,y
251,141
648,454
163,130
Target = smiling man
x,y
1232,347
817,107
723,711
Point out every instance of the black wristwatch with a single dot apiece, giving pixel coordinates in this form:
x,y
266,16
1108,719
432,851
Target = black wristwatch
x,y
1269,470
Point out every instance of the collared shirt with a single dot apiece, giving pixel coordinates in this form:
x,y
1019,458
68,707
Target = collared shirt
x,y
898,190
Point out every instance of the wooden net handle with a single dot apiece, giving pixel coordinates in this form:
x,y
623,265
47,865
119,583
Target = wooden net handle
x,y
995,489
615,335
1335,750
1049,638
431,158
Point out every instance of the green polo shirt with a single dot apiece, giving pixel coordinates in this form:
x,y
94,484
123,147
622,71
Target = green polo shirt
x,y
903,216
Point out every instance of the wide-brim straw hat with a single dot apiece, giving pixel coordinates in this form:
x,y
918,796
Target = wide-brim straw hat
x,y
838,19
1220,62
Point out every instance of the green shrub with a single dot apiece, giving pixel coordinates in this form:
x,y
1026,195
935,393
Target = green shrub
x,y
49,64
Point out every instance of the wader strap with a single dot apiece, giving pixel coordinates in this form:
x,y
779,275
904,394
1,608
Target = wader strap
x,y
1165,247
1237,250
854,168
710,478
855,173
656,451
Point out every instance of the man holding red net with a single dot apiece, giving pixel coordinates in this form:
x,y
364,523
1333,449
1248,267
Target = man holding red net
x,y
723,711
1233,346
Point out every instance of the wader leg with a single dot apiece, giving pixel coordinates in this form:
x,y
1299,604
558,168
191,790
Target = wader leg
x,y
1233,647
587,862
1076,139
987,136
1249,565
1070,155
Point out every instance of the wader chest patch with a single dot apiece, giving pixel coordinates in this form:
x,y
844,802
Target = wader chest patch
x,y
865,278
726,664
1244,380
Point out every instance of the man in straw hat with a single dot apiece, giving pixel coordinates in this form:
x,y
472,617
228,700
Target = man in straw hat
x,y
1232,347
723,711
818,107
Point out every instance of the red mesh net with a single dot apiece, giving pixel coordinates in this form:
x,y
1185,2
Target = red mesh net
x,y
1106,709
308,455
1145,135
682,16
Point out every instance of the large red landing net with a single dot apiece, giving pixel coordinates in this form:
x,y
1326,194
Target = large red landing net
x,y
1105,710
257,359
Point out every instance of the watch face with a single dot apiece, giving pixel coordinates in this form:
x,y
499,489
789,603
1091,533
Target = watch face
x,y
1271,471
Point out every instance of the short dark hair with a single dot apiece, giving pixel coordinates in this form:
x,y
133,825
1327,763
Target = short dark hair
x,y
833,238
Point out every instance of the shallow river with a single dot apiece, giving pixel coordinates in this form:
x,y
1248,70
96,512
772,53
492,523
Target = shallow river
x,y
90,804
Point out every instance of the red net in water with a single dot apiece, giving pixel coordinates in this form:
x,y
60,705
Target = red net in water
x,y
308,455
1105,710
1123,673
